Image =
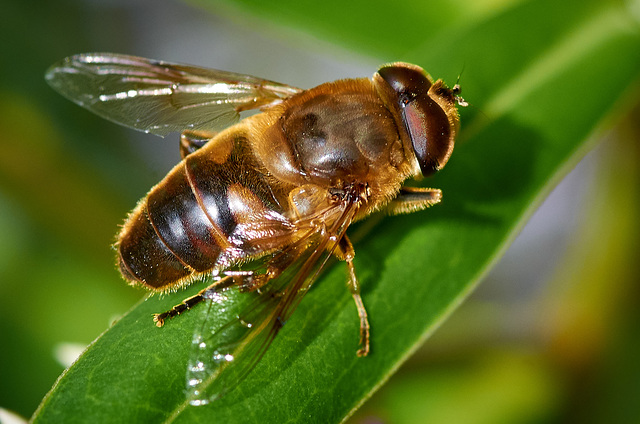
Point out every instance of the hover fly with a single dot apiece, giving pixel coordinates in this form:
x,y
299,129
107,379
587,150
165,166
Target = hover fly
x,y
260,205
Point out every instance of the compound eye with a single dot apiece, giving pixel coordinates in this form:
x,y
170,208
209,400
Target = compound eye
x,y
406,80
430,133
427,123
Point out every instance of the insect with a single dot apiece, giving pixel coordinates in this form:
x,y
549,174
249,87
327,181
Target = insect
x,y
259,205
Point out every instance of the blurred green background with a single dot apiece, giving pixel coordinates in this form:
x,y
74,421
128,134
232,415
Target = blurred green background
x,y
550,336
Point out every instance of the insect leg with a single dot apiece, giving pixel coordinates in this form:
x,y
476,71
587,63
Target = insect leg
x,y
412,199
344,251
190,141
190,302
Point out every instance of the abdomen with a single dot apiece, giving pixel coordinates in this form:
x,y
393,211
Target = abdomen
x,y
215,208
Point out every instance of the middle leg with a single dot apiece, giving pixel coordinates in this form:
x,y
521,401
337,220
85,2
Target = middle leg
x,y
345,252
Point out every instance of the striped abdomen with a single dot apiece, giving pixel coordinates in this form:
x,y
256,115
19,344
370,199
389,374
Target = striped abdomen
x,y
213,209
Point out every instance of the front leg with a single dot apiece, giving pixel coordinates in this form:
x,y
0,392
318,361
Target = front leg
x,y
413,199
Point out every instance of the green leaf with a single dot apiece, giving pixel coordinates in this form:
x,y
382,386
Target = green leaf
x,y
541,76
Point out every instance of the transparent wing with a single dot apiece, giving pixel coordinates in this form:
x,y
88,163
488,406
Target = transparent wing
x,y
161,97
223,354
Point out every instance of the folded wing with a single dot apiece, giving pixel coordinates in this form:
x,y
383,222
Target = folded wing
x,y
160,97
